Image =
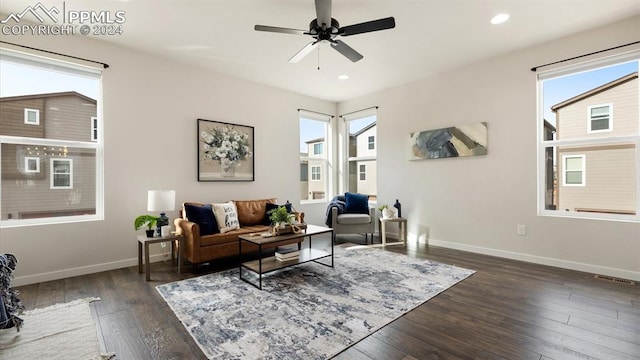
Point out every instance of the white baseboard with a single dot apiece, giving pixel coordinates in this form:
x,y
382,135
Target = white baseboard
x,y
83,270
588,268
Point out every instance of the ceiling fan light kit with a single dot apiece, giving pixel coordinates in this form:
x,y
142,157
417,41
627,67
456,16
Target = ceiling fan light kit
x,y
326,28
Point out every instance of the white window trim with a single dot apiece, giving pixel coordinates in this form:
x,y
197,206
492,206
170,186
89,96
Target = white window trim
x,y
319,167
369,143
590,122
26,164
26,116
360,172
327,159
582,157
94,128
313,151
633,55
51,174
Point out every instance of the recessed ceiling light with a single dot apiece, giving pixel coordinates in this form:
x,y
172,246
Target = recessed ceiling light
x,y
499,19
343,77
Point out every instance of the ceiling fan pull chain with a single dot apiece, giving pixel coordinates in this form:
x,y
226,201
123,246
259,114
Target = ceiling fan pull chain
x,y
319,57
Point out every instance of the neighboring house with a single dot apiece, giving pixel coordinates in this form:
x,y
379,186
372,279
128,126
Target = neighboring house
x,y
316,172
598,178
365,169
551,179
61,179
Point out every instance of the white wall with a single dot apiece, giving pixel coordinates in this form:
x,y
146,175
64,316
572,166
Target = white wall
x,y
150,111
475,203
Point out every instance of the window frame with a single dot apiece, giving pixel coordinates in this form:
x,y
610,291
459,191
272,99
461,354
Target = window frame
x,y
590,118
71,68
323,160
543,144
52,174
347,178
319,145
583,169
371,142
318,173
26,116
27,170
362,170
94,128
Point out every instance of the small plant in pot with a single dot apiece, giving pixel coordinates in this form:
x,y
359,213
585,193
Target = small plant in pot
x,y
148,220
280,217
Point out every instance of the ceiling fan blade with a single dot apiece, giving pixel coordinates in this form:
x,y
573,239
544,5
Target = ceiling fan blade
x,y
303,52
279,30
369,26
346,50
323,13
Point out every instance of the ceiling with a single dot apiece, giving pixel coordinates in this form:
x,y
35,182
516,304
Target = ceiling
x,y
430,36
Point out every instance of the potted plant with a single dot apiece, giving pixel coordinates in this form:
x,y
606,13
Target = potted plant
x,y
149,220
280,216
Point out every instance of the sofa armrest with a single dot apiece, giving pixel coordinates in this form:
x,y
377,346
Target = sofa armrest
x,y
191,233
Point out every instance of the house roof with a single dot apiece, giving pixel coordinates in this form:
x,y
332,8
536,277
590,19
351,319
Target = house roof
x,y
357,133
47,95
594,91
314,140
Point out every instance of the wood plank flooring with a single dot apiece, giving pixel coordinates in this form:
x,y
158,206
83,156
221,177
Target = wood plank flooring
x,y
507,310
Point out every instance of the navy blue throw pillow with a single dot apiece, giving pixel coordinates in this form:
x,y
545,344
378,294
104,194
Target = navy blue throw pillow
x,y
356,203
271,207
203,216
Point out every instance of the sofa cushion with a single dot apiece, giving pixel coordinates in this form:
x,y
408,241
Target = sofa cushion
x,y
226,216
356,203
231,236
252,212
203,216
354,219
270,207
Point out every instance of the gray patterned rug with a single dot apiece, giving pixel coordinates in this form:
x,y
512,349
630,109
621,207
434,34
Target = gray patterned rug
x,y
308,311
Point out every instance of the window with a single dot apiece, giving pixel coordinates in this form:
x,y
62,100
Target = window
x,y
94,128
31,164
61,174
32,116
574,171
51,173
315,173
600,118
589,169
360,154
315,156
372,142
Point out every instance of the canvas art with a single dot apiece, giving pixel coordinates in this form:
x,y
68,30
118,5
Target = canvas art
x,y
455,141
225,151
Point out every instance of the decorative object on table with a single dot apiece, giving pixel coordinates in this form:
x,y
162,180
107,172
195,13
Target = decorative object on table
x,y
61,331
371,289
464,140
287,253
398,206
165,230
10,304
388,212
149,221
161,200
225,151
283,220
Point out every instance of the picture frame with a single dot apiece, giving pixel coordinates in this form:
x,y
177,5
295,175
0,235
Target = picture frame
x,y
225,151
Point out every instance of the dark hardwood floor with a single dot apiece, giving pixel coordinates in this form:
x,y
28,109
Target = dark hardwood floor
x,y
507,310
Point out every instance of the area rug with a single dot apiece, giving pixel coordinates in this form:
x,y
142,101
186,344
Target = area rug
x,y
308,311
63,331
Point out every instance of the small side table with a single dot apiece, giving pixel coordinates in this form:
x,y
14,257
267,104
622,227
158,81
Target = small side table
x,y
144,240
402,223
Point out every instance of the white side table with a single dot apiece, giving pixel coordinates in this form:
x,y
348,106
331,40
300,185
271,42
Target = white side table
x,y
402,223
144,240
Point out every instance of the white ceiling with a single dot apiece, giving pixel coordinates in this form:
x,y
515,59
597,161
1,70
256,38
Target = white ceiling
x,y
431,36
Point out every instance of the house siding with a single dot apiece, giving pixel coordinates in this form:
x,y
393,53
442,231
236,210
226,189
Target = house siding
x,y
12,118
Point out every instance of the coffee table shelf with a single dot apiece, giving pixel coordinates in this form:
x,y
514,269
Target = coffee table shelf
x,y
266,264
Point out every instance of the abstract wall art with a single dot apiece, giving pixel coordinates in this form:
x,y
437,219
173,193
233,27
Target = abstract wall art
x,y
455,141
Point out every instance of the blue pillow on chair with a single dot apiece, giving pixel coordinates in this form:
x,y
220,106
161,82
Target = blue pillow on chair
x,y
356,203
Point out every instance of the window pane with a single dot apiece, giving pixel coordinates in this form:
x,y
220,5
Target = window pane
x,y
362,154
27,195
313,158
586,170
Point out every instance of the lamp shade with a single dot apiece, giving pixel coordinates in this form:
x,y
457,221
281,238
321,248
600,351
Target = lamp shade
x,y
161,200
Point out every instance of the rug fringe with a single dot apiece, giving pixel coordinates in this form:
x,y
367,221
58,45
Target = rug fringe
x,y
61,305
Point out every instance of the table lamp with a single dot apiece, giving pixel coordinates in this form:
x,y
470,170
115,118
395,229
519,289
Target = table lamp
x,y
161,200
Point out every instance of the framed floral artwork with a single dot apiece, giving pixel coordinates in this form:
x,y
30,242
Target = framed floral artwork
x,y
225,151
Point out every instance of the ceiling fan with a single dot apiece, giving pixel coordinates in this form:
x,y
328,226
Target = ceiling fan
x,y
326,28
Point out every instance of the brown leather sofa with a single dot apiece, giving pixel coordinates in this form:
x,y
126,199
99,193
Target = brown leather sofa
x,y
199,249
